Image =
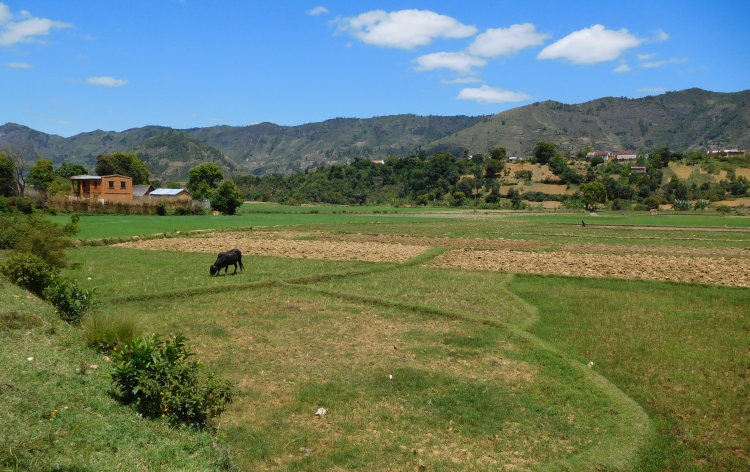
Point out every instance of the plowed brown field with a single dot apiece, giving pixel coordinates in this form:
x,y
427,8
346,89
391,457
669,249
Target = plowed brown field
x,y
679,269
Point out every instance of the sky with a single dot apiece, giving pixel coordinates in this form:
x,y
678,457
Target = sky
x,y
73,66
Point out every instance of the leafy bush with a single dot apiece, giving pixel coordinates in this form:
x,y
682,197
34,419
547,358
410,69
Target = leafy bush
x,y
492,198
105,331
683,205
523,174
227,197
70,300
652,202
188,210
701,204
724,209
28,271
161,208
157,377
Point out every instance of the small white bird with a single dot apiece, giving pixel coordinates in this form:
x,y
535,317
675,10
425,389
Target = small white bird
x,y
591,364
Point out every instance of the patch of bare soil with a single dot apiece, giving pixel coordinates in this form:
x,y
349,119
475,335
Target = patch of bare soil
x,y
478,243
330,250
625,249
678,269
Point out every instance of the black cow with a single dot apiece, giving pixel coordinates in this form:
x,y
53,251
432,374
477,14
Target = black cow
x,y
225,259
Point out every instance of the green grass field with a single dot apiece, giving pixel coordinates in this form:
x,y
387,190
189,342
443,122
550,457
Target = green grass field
x,y
418,367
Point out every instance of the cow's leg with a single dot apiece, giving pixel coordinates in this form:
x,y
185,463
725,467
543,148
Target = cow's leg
x,y
241,266
235,268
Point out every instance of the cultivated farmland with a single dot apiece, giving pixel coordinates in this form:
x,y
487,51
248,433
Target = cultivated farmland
x,y
435,341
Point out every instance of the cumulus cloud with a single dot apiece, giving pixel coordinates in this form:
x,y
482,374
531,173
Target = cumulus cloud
x,y
658,37
591,45
405,29
19,65
63,122
24,26
461,80
653,64
652,90
622,68
107,81
645,57
500,41
457,61
319,10
487,94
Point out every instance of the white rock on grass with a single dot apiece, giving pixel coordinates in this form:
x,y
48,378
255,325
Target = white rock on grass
x,y
321,412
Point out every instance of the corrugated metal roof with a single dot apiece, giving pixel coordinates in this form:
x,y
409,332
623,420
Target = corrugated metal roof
x,y
85,177
141,190
168,191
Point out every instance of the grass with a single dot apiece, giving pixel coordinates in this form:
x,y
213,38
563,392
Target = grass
x,y
680,351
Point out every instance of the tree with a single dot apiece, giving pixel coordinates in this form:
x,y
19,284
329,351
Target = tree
x,y
68,170
596,160
8,186
21,157
544,151
498,153
493,167
204,180
41,174
227,197
593,193
123,163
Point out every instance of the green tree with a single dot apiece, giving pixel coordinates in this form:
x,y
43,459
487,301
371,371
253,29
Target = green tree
x,y
123,163
68,170
204,180
7,176
593,193
227,197
41,174
498,153
493,167
544,151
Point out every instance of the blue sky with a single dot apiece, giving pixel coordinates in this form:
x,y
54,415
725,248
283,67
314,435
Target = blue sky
x,y
72,66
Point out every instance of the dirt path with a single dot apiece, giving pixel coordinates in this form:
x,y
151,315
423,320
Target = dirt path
x,y
679,269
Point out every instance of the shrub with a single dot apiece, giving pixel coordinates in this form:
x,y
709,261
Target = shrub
x,y
459,198
28,271
105,331
523,174
683,205
161,208
70,300
652,202
157,377
724,209
492,198
701,204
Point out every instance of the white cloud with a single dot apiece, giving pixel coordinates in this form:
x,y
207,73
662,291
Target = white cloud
x,y
652,90
675,60
457,61
487,94
461,80
319,10
25,28
19,65
653,64
106,81
499,41
591,45
658,37
63,122
405,29
645,57
622,68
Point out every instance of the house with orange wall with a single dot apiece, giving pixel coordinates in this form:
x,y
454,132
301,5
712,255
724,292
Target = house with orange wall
x,y
114,187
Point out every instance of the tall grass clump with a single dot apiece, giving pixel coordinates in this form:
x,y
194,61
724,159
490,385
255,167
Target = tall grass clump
x,y
157,377
105,331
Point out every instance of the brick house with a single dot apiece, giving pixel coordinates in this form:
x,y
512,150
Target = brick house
x,y
103,188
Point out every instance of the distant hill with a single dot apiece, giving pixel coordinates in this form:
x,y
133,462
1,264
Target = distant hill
x,y
692,119
171,154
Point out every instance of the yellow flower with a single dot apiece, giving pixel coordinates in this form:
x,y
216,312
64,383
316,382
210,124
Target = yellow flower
x,y
163,416
55,412
52,419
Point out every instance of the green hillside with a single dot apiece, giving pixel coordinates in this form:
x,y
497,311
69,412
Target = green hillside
x,y
691,119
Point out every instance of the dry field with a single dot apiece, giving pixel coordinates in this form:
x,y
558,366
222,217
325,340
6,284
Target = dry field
x,y
728,266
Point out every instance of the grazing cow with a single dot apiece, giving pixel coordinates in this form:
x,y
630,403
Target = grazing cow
x,y
225,259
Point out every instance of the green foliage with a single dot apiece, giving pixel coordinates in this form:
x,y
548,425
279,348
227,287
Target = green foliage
x,y
493,167
701,204
157,377
37,235
523,174
498,153
123,163
544,151
204,180
161,208
70,301
28,271
227,197
105,331
724,209
68,170
652,202
458,199
189,210
596,160
41,174
683,205
592,194
8,185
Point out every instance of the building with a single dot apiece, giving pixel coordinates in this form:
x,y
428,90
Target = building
x,y
626,156
171,195
141,191
638,169
114,187
603,154
727,153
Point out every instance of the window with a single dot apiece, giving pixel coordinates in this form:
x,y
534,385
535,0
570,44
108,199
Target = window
x,y
111,184
95,184
122,185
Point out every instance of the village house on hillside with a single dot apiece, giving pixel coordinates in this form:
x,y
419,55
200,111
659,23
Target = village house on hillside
x,y
114,187
727,152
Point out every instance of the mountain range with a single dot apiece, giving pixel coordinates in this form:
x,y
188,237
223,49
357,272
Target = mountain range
x,y
692,119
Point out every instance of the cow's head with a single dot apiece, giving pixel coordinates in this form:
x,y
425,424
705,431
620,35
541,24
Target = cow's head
x,y
214,269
